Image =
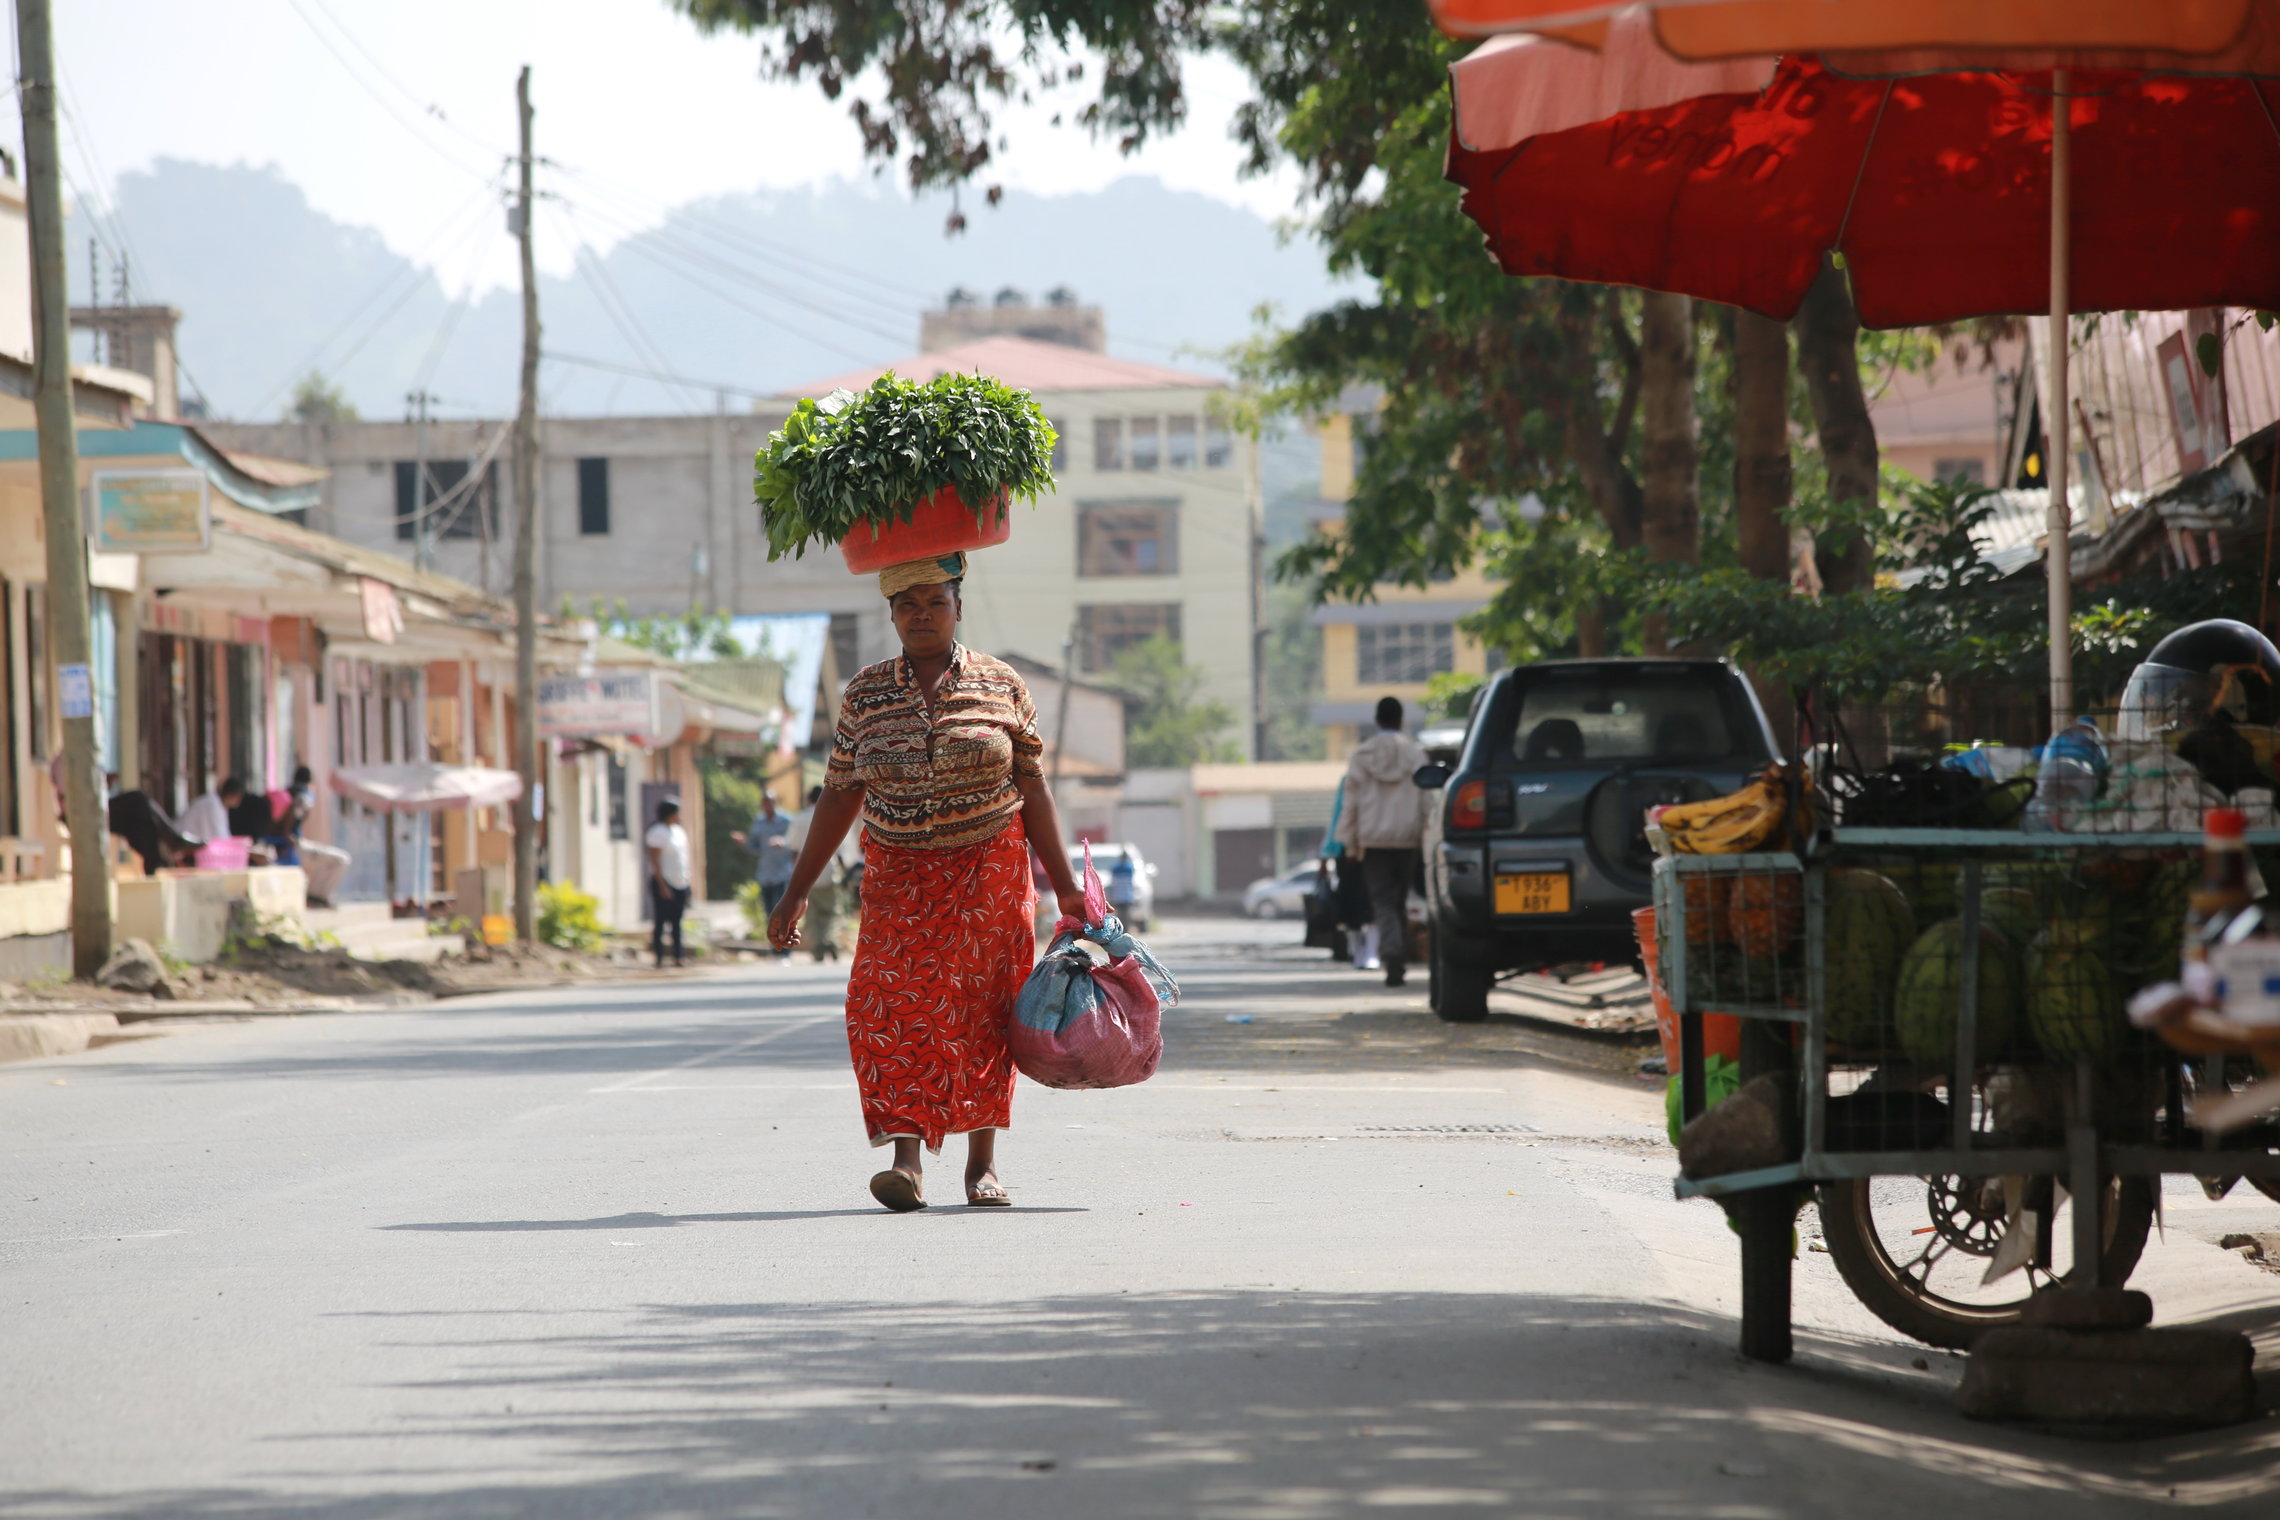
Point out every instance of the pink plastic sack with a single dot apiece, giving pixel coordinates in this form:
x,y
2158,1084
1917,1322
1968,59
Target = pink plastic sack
x,y
1091,1014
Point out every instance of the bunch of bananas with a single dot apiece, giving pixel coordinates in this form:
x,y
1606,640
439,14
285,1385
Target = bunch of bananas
x,y
1730,825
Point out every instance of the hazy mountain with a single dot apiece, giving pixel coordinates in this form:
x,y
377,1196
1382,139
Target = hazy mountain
x,y
759,292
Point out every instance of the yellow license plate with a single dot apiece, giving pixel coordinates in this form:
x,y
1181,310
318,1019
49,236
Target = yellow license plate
x,y
1532,892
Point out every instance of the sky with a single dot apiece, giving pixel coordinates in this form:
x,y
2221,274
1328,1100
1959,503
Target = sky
x,y
399,115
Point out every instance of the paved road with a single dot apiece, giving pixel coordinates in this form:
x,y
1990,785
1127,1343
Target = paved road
x,y
588,1254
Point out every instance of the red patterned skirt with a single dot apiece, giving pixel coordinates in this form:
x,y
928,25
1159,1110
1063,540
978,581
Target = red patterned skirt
x,y
948,937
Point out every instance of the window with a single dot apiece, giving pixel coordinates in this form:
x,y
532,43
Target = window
x,y
1140,538
450,511
1218,445
594,497
1619,714
1103,633
1179,443
1962,472
1147,443
618,823
1403,654
1060,443
1108,443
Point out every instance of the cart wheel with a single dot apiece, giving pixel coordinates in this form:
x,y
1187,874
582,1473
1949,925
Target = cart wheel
x,y
1766,1219
1913,1249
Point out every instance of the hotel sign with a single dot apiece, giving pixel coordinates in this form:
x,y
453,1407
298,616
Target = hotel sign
x,y
151,511
620,702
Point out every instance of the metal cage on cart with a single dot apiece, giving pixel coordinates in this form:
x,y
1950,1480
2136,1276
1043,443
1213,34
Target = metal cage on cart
x,y
1991,1063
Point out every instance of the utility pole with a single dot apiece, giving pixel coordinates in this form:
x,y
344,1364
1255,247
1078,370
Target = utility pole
x,y
417,403
68,632
526,556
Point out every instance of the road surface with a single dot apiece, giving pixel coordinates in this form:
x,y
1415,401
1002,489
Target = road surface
x,y
607,1253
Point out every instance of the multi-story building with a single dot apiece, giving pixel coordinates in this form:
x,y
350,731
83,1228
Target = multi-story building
x,y
1152,531
1394,644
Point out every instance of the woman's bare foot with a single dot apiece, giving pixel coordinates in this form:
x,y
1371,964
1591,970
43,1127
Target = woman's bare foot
x,y
982,1189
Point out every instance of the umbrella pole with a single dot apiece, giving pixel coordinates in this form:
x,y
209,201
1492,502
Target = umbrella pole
x,y
2057,435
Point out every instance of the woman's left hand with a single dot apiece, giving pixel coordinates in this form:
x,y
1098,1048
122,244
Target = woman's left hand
x,y
1072,904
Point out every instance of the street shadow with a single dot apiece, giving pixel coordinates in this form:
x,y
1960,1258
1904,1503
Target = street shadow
x,y
652,1221
1219,1405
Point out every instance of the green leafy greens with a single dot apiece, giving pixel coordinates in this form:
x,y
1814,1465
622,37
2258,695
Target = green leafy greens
x,y
872,457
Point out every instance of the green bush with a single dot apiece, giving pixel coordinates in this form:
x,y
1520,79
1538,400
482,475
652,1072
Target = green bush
x,y
569,919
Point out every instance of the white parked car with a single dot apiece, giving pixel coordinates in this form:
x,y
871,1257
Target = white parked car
x,y
1281,896
1142,911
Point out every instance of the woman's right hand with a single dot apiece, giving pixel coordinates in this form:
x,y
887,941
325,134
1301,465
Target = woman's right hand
x,y
784,923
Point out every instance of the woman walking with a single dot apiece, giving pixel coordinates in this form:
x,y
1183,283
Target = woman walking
x,y
937,752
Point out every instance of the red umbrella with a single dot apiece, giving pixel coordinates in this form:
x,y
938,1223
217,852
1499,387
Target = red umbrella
x,y
1936,189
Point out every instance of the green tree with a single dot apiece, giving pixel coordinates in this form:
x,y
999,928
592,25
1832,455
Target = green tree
x,y
1166,725
1497,391
316,399
700,633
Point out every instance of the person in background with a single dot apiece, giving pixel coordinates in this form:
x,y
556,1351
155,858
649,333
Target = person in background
x,y
1383,823
667,845
1122,886
251,816
766,839
1355,936
819,930
143,824
324,864
208,817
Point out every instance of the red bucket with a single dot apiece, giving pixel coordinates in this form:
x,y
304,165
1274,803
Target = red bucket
x,y
941,524
1721,1032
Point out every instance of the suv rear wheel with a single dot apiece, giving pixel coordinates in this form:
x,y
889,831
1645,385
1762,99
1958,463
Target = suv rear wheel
x,y
1460,991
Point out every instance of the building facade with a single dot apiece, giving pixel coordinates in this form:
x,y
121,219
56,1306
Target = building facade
x,y
1153,530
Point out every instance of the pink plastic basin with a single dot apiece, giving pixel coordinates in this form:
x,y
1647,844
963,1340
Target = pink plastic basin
x,y
224,854
941,524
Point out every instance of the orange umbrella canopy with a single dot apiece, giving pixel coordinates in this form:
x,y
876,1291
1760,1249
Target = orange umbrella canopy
x,y
1700,30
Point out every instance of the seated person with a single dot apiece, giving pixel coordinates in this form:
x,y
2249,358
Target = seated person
x,y
143,824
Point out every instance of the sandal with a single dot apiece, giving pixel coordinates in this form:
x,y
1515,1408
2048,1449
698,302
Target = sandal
x,y
898,1191
988,1196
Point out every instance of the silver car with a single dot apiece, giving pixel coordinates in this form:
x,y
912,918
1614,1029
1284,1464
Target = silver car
x,y
1282,896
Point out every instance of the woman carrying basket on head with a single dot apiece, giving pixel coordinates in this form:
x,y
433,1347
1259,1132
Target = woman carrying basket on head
x,y
937,752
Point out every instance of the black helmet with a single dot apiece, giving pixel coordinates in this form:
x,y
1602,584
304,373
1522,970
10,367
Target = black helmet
x,y
2197,687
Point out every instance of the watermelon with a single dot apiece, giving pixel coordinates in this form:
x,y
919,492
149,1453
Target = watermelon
x,y
1931,984
2074,1010
1868,927
2014,910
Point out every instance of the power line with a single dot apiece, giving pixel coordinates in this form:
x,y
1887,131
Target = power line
x,y
583,362
452,225
379,99
425,107
596,273
670,254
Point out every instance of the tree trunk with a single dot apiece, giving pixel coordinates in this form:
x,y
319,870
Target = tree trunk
x,y
1598,454
1761,445
1671,522
1828,351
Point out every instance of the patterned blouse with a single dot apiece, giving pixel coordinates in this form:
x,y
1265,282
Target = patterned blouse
x,y
943,779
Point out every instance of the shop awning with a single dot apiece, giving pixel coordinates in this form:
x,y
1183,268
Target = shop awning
x,y
426,787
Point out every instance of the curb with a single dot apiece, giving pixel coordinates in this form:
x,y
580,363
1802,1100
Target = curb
x,y
33,1036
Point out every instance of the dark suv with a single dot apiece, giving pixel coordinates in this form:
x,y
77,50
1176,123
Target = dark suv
x,y
1537,853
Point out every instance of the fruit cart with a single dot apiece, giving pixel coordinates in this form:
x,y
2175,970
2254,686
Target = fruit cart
x,y
1935,1052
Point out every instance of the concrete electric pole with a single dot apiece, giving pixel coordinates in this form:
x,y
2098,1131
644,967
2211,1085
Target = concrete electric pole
x,y
68,633
527,807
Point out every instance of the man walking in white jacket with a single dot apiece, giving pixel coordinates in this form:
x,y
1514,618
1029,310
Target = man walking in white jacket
x,y
1381,825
